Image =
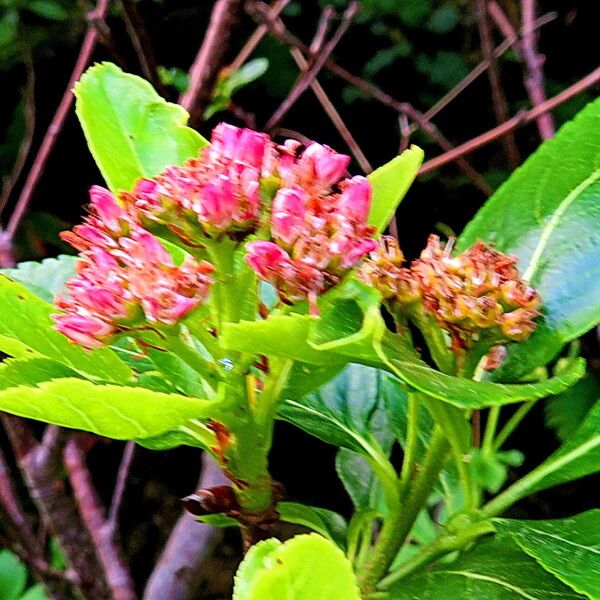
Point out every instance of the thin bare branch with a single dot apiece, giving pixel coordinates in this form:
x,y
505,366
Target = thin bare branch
x,y
187,548
499,102
142,44
29,112
122,474
316,65
56,125
210,58
518,120
533,62
260,32
278,31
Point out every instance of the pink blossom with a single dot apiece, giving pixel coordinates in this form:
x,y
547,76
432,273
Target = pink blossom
x,y
266,258
355,199
288,215
87,331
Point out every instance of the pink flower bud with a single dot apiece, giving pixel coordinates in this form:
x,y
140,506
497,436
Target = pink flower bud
x,y
251,147
218,202
355,201
89,332
105,207
266,258
358,250
327,166
288,216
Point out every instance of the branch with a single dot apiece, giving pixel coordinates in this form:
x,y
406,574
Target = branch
x,y
124,467
142,44
42,468
256,37
279,32
520,119
533,62
187,548
210,58
91,510
310,74
56,125
498,97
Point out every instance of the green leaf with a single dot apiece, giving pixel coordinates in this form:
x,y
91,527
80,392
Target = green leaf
x,y
47,9
463,393
31,371
490,471
548,215
325,522
567,548
45,279
122,413
26,318
131,131
347,411
577,457
13,576
390,183
566,412
306,567
37,592
496,569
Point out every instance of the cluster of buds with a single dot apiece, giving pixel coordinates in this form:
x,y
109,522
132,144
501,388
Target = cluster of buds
x,y
125,278
318,227
470,295
217,193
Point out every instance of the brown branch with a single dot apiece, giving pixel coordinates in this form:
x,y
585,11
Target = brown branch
x,y
256,37
117,498
29,110
509,42
518,120
210,58
56,125
187,548
533,64
278,31
42,468
91,510
499,102
142,44
317,63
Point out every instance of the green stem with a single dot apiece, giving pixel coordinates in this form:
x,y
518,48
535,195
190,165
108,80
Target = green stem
x,y
513,423
173,343
225,309
436,549
491,424
400,519
412,440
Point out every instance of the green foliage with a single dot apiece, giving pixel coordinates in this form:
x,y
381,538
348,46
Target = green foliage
x,y
13,580
26,318
325,522
390,184
131,131
567,548
303,568
547,204
496,569
46,278
118,412
566,412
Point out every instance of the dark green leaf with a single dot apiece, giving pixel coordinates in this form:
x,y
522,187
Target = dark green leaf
x,y
548,215
566,412
496,569
326,522
567,548
131,131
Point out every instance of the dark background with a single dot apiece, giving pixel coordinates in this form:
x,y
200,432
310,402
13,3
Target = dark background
x,y
414,50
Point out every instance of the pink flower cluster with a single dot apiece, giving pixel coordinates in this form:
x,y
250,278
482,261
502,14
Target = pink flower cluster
x,y
219,190
125,277
317,231
318,224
